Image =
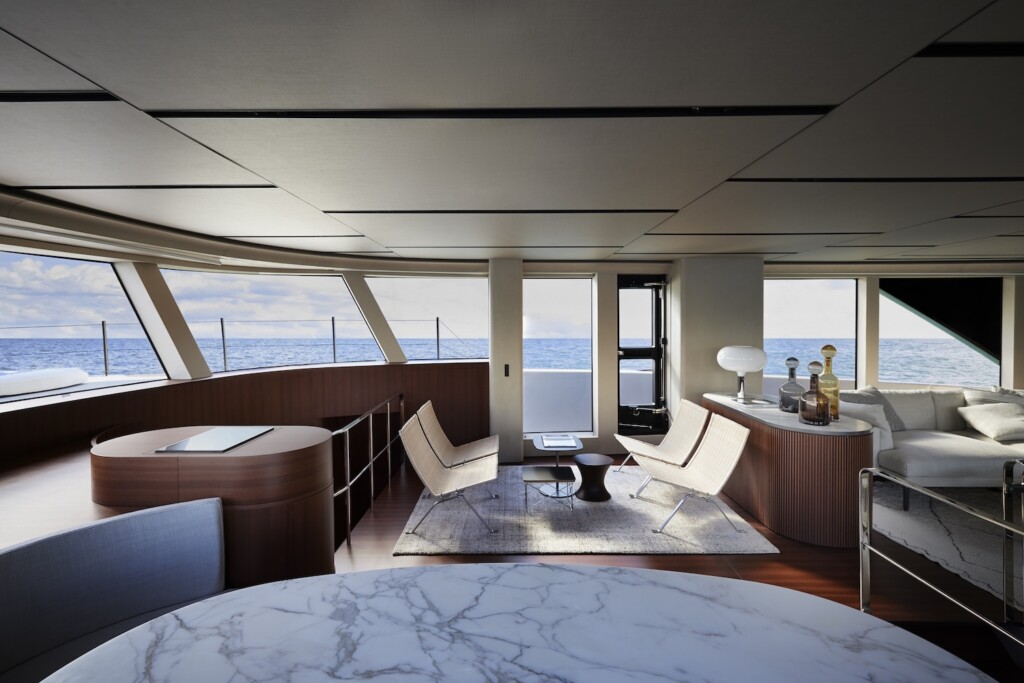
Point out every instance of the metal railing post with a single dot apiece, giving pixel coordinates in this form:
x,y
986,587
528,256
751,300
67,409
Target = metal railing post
x,y
387,426
437,336
348,494
334,340
373,486
106,355
224,344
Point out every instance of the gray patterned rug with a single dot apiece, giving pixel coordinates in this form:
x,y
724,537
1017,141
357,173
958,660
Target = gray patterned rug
x,y
953,539
619,526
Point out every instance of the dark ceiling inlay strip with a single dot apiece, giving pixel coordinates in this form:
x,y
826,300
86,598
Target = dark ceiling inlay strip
x,y
510,246
145,187
973,50
759,234
503,211
58,96
494,113
970,179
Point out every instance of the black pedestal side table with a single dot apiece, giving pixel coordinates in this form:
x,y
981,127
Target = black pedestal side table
x,y
593,467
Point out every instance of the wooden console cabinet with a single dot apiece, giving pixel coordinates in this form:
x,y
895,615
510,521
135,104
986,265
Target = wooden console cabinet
x,y
277,493
799,481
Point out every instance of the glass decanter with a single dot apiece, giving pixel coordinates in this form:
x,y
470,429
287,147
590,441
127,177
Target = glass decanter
x,y
791,391
814,404
828,383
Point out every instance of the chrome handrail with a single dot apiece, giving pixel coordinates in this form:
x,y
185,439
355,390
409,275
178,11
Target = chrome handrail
x,y
1011,616
373,457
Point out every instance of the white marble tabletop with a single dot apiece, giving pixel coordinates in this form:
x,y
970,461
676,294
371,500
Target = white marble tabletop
x,y
517,622
771,415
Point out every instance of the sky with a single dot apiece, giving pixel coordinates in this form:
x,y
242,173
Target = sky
x,y
38,290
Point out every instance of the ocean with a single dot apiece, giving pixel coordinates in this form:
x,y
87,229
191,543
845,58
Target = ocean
x,y
920,361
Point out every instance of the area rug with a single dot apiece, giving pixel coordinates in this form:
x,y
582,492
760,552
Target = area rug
x,y
949,537
618,526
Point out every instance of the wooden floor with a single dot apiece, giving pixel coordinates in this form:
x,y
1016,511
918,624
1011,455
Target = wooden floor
x,y
55,494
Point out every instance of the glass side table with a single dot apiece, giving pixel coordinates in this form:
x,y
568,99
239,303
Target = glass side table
x,y
558,444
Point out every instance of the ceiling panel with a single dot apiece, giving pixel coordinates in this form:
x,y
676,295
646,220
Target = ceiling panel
x,y
841,254
502,229
931,117
102,143
526,253
466,164
833,207
466,53
731,244
943,232
1003,22
221,211
349,245
991,247
24,68
1011,209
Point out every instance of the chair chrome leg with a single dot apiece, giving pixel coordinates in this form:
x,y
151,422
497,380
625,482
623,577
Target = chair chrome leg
x,y
442,499
642,487
629,456
673,514
486,526
490,493
718,507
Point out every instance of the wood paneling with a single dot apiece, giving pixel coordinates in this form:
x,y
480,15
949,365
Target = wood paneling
x,y
801,485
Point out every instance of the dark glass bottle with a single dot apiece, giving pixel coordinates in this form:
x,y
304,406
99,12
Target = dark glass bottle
x,y
828,383
814,404
791,391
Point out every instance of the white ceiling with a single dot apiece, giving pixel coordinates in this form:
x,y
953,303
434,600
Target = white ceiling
x,y
476,129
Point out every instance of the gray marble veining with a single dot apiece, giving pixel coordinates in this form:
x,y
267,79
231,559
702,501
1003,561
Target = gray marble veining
x,y
517,622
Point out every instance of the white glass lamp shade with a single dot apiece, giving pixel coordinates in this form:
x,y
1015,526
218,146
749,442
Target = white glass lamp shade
x,y
741,360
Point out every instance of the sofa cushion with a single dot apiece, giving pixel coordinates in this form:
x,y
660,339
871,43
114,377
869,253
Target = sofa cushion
x,y
947,419
915,407
998,421
871,395
874,413
933,458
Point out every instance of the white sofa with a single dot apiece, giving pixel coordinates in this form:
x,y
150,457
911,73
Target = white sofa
x,y
932,443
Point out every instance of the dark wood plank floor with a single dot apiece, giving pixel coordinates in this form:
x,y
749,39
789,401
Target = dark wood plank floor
x,y
54,494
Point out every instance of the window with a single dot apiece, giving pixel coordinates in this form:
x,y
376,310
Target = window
x,y
558,355
66,313
913,350
641,355
258,321
435,317
801,316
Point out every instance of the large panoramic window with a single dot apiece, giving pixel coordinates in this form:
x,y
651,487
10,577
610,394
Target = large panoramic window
x,y
913,350
71,314
246,321
558,355
801,316
435,317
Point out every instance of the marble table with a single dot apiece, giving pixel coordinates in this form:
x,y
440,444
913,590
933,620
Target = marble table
x,y
517,622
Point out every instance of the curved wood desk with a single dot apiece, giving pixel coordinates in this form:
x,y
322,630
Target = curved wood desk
x,y
798,480
277,492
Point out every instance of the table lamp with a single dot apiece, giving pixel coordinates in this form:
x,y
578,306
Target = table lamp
x,y
741,360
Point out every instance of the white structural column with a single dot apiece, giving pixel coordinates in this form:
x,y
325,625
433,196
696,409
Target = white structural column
x,y
162,319
1012,352
375,320
505,288
714,301
867,330
606,362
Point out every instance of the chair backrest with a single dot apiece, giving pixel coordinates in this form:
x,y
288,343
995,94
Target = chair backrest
x,y
429,469
716,455
687,426
435,434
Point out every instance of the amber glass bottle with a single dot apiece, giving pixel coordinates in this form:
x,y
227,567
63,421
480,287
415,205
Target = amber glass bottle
x,y
814,404
791,391
828,383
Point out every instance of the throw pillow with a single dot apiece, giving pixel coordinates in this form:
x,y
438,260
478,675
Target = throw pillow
x,y
978,397
998,421
873,413
872,396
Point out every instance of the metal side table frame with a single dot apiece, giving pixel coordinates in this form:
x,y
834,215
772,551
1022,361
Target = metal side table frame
x,y
557,490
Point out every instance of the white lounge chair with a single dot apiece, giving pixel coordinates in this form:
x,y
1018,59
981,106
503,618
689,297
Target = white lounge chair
x,y
446,482
706,472
678,444
453,455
